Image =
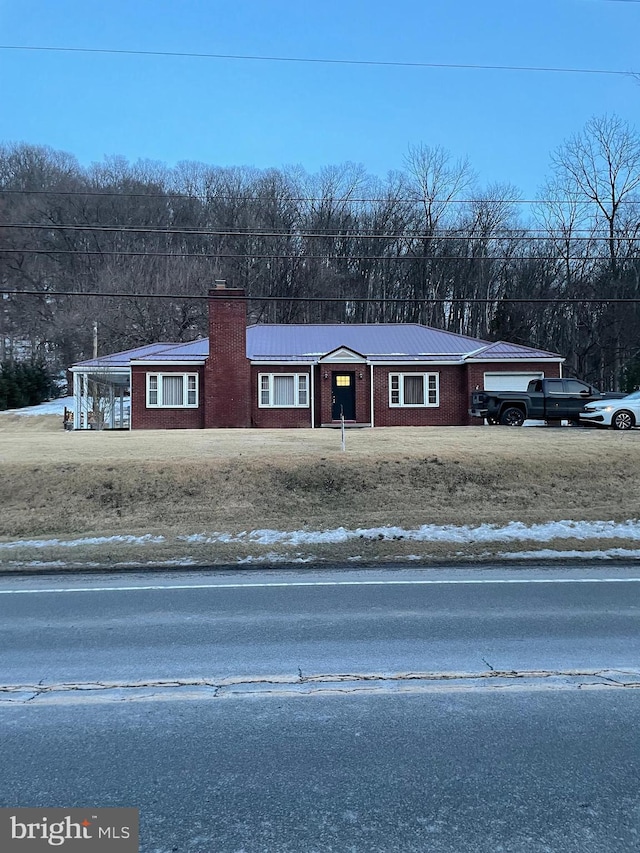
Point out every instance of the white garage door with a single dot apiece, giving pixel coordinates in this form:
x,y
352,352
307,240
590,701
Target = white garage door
x,y
509,381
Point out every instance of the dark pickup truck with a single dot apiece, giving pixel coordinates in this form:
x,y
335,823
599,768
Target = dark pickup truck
x,y
544,399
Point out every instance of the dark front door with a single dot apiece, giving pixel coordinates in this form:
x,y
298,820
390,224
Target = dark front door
x,y
343,396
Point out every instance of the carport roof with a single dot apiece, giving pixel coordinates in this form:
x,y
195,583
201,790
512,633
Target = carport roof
x,y
196,351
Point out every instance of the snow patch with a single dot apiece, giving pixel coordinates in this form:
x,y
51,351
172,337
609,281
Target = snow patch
x,y
210,538
57,407
147,539
274,558
515,531
549,554
50,407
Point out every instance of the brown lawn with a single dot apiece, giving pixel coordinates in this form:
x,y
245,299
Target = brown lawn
x,y
68,484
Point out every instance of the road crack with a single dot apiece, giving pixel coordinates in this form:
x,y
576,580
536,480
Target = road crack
x,y
216,688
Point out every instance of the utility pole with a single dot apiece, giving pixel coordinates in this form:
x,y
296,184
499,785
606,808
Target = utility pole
x,y
95,407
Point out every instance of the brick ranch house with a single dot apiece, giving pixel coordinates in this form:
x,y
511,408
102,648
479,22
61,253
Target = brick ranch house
x,y
271,375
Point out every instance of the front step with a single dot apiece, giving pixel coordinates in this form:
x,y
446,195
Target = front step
x,y
347,425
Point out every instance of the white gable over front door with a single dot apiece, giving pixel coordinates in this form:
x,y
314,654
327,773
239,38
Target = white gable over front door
x,y
342,355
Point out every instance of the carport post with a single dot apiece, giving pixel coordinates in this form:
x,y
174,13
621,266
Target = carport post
x,y
84,399
112,409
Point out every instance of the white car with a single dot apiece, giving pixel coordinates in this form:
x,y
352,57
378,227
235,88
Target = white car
x,y
619,414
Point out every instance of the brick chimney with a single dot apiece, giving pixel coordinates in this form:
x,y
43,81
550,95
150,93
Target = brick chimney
x,y
227,372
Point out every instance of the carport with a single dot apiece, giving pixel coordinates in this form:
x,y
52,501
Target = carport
x,y
99,397
102,388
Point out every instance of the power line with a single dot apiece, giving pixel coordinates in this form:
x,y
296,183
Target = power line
x,y
355,235
343,299
315,60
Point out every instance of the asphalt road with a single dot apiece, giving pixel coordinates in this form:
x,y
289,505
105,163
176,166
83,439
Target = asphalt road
x,y
258,624
331,711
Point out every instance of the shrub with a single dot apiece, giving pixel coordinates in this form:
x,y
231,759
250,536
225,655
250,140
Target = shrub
x,y
25,383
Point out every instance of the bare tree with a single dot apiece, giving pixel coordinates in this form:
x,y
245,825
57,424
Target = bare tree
x,y
601,165
434,182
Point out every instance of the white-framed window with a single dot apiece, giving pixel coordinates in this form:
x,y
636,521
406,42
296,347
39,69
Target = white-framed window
x,y
283,390
172,390
414,389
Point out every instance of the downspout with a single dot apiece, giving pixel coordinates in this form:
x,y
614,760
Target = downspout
x,y
372,394
312,391
130,400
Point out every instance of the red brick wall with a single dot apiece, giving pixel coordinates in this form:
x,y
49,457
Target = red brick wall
x,y
456,384
151,418
452,410
319,382
276,418
227,401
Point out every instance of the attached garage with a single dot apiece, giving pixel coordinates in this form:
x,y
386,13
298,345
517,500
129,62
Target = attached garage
x,y
504,381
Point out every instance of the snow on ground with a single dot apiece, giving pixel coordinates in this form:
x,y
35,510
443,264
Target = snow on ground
x,y
515,531
148,538
549,554
55,407
51,407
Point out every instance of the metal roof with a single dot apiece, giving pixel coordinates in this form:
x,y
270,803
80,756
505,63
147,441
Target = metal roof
x,y
122,359
395,342
504,349
196,351
376,341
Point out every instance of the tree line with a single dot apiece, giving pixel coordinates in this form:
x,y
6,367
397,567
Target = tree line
x,y
425,244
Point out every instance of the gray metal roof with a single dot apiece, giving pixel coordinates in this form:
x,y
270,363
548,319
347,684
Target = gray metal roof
x,y
122,359
395,342
506,350
196,351
377,342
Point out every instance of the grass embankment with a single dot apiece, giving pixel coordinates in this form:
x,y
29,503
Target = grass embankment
x,y
171,483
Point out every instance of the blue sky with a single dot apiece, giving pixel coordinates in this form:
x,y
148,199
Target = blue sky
x,y
258,113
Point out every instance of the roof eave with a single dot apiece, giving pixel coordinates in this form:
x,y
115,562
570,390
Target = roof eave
x,y
518,358
168,362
